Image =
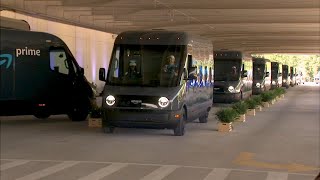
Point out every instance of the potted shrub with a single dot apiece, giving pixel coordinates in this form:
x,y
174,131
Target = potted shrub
x,y
241,108
252,104
266,98
273,96
226,117
95,115
258,100
277,93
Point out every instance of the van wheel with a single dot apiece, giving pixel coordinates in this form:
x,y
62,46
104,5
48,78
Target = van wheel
x,y
79,113
179,130
108,130
78,116
204,119
41,115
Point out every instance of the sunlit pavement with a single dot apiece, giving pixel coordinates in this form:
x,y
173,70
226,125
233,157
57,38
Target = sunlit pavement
x,y
281,142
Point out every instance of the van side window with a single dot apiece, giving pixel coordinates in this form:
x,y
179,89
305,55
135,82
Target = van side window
x,y
58,61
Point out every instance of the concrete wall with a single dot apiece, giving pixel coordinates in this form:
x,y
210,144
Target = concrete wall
x,y
91,48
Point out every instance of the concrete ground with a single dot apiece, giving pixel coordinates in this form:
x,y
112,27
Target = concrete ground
x,y
281,142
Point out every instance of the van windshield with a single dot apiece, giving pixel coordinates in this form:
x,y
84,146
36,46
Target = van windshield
x,y
227,69
146,65
258,71
274,71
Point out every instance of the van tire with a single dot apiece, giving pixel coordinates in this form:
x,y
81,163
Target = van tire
x,y
108,130
179,130
79,113
204,118
78,116
42,115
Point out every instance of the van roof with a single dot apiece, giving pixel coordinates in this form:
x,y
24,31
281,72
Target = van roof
x,y
10,23
156,37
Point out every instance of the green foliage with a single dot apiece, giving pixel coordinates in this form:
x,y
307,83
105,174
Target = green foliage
x,y
309,65
96,112
279,91
267,96
241,107
227,115
252,104
258,100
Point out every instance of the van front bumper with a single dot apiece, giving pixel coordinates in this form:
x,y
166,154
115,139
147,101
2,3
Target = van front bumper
x,y
256,90
226,97
140,118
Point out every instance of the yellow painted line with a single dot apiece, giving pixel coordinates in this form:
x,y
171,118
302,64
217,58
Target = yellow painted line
x,y
247,159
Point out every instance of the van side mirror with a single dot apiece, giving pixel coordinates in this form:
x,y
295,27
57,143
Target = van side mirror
x,y
267,74
245,73
102,74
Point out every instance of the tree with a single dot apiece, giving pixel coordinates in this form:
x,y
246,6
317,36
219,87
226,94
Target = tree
x,y
310,66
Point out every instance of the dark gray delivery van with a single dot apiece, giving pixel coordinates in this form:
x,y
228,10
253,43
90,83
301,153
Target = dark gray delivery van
x,y
157,79
40,76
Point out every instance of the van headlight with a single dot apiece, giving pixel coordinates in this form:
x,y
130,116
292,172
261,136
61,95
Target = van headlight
x,y
284,81
231,88
258,85
110,100
273,82
163,102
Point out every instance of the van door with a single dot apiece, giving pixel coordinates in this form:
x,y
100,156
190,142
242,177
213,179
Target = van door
x,y
61,81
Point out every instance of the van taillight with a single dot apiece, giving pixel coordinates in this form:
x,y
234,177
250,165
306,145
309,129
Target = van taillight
x,y
41,105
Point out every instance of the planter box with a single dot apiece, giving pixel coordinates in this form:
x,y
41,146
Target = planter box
x,y
242,118
251,112
266,104
225,127
259,108
272,102
95,122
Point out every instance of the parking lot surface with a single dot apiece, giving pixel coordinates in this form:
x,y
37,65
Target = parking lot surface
x,y
281,142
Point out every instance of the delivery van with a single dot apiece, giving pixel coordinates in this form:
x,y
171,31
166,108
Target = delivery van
x,y
39,76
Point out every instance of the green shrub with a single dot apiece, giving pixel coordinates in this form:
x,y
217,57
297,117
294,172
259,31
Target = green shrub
x,y
279,91
252,104
267,96
273,94
96,112
240,107
258,100
227,115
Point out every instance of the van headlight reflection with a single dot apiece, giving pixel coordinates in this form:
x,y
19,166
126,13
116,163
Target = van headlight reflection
x,y
231,88
110,100
163,102
258,85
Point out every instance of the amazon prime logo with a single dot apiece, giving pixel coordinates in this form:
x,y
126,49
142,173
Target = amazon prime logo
x,y
6,60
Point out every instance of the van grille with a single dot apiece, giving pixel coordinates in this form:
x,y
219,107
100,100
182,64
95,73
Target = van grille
x,y
135,101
